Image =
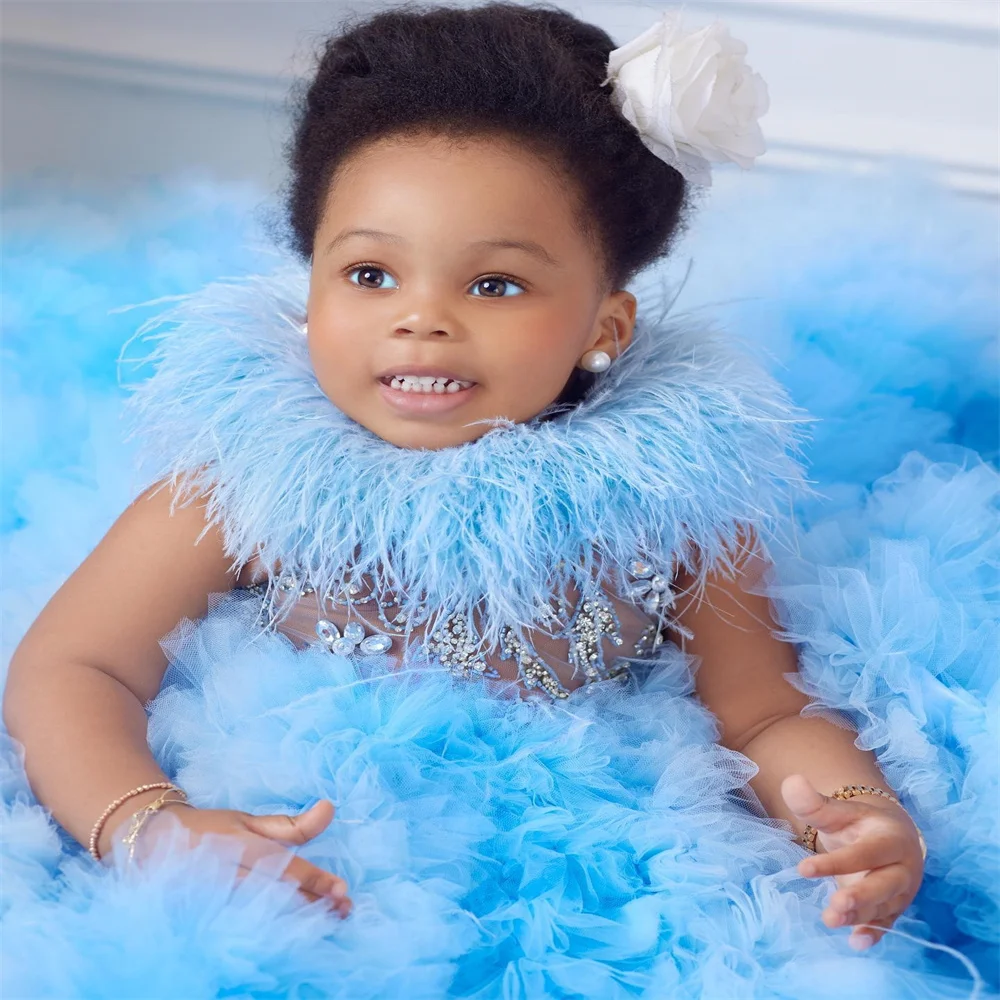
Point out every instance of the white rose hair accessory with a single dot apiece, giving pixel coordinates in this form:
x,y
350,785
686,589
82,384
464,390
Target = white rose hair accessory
x,y
691,97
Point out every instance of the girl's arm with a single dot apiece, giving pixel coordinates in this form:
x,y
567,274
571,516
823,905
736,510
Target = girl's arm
x,y
801,759
80,678
740,678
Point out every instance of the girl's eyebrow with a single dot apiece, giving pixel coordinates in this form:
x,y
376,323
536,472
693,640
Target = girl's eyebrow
x,y
528,246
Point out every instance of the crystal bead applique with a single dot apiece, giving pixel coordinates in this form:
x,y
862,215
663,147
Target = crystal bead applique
x,y
584,624
352,638
399,622
327,631
594,620
354,632
375,644
651,590
452,642
530,667
649,640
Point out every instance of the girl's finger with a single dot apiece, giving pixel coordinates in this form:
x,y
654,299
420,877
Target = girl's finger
x,y
863,938
863,855
312,882
315,882
244,870
889,908
866,899
295,830
892,908
813,807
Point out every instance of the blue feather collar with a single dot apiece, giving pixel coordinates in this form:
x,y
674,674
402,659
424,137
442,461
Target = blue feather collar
x,y
683,440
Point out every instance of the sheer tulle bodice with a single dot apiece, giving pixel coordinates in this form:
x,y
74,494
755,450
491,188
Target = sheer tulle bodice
x,y
579,640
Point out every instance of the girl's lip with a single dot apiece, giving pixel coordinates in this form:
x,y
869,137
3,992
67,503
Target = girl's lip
x,y
429,403
413,369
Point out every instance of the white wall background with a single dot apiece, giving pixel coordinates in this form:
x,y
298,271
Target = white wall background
x,y
101,91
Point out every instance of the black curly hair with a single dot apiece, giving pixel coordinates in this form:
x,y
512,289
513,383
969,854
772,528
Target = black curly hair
x,y
527,74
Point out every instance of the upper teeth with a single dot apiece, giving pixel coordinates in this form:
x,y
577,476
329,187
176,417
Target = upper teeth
x,y
427,383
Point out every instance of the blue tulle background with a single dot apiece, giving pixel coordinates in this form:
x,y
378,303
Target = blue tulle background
x,y
495,849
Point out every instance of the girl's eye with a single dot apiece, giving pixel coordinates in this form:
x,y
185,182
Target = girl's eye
x,y
494,286
370,277
497,287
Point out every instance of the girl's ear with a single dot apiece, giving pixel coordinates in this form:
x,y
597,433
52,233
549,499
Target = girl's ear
x,y
615,324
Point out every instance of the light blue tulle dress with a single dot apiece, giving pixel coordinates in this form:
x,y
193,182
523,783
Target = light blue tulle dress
x,y
553,817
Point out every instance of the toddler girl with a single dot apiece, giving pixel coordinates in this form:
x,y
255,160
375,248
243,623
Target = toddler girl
x,y
456,441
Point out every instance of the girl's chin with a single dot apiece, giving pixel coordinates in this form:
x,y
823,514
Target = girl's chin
x,y
430,438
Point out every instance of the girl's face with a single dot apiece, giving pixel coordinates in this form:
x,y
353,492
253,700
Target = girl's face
x,y
439,259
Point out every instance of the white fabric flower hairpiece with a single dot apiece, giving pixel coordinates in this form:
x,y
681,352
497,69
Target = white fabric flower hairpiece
x,y
692,97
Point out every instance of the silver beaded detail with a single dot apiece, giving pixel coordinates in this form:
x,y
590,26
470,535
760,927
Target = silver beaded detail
x,y
400,623
595,619
649,589
530,668
453,643
650,639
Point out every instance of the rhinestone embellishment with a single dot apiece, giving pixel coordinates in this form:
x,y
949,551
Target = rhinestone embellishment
x,y
595,620
649,640
532,670
585,625
650,590
353,638
453,644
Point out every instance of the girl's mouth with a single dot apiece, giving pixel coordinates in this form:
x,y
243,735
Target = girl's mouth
x,y
425,394
425,383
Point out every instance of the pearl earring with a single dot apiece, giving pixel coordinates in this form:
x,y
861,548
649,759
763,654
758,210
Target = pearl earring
x,y
596,361
304,328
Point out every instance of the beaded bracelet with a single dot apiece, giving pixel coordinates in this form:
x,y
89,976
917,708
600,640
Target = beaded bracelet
x,y
809,834
99,825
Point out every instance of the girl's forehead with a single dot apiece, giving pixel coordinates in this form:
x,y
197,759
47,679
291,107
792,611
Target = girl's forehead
x,y
485,188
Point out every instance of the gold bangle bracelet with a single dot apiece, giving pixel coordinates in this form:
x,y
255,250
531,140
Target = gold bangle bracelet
x,y
809,834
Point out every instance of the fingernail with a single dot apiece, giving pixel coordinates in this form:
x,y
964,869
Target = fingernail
x,y
860,942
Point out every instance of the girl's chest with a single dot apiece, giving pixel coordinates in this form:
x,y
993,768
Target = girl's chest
x,y
581,639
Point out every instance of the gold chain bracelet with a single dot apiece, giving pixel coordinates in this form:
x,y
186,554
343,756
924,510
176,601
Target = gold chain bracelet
x,y
95,834
141,816
809,834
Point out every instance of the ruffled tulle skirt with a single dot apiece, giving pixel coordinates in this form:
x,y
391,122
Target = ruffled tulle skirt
x,y
597,847
600,847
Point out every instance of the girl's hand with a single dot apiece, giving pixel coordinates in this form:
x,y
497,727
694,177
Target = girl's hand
x,y
260,836
872,848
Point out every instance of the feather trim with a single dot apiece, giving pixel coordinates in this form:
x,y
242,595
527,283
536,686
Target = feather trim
x,y
683,441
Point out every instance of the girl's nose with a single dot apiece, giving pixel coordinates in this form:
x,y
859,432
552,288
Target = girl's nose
x,y
423,330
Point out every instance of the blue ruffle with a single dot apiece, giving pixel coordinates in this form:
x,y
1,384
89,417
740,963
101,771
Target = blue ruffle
x,y
894,605
495,848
